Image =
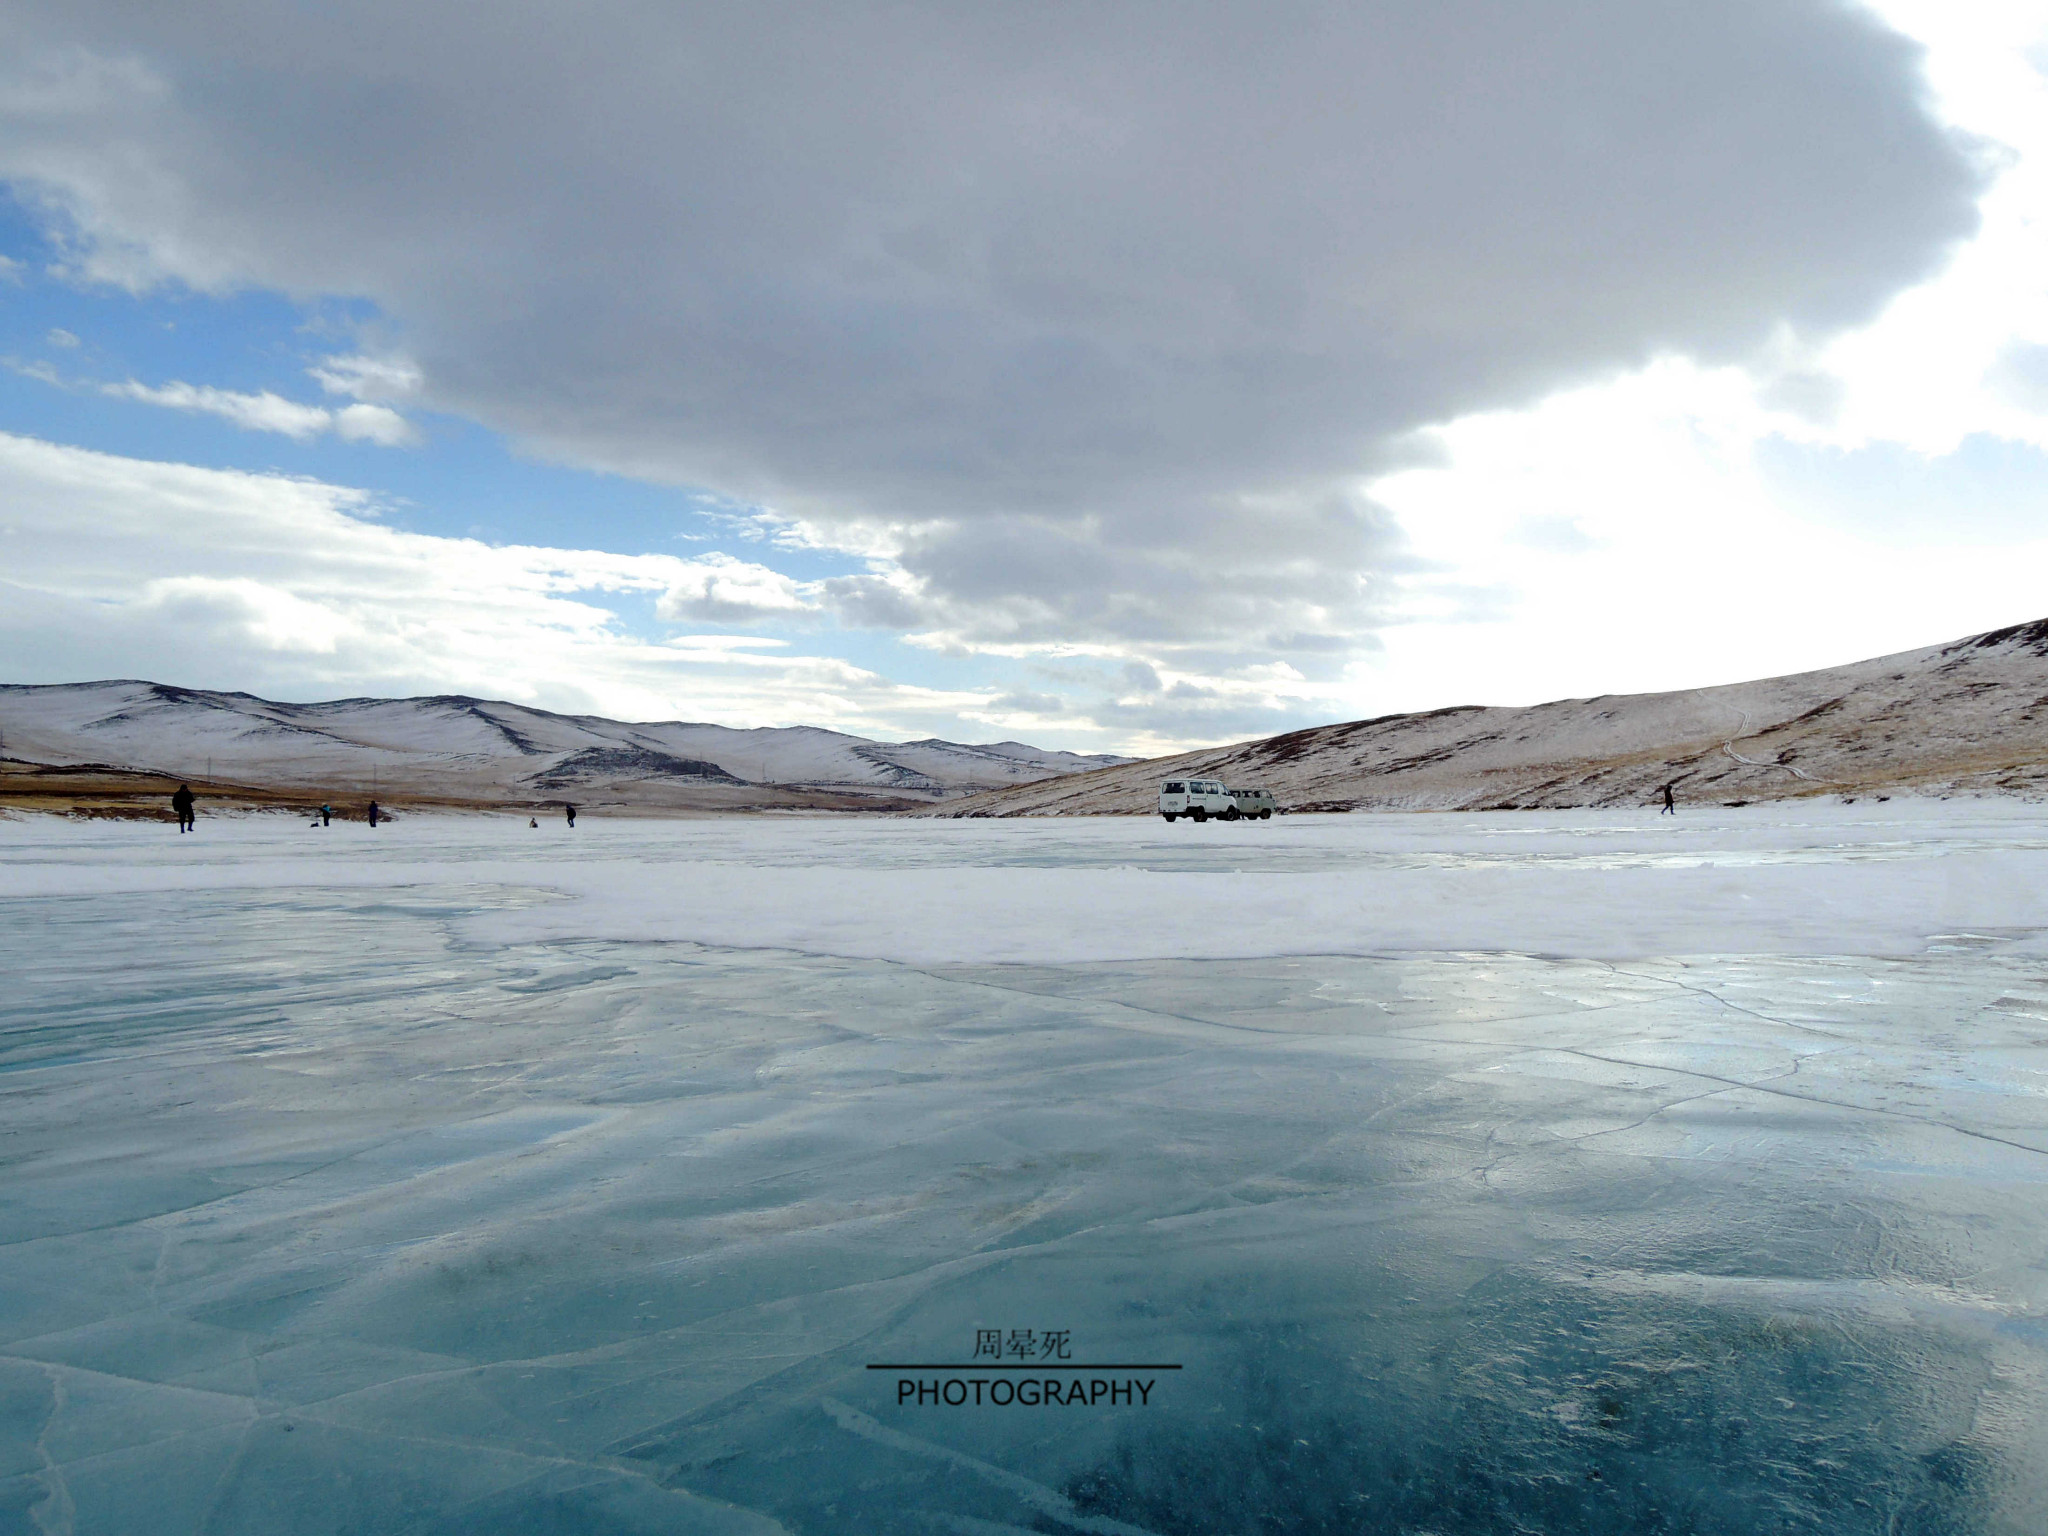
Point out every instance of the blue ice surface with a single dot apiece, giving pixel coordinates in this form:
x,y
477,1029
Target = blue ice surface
x,y
320,1216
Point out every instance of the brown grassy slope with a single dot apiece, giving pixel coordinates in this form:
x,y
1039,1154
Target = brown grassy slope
x,y
1969,717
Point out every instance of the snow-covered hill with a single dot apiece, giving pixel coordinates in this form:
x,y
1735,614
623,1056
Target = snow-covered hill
x,y
1969,717
488,751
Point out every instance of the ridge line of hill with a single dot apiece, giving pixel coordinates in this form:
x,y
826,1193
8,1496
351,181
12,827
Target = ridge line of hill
x,y
109,743
1966,717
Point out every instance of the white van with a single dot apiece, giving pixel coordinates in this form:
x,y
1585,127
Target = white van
x,y
1196,799
1254,804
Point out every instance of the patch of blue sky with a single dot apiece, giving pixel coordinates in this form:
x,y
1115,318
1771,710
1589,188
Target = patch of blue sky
x,y
246,340
465,481
1990,490
65,341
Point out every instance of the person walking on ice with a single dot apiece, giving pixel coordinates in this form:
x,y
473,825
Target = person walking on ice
x,y
182,803
374,813
1670,807
572,812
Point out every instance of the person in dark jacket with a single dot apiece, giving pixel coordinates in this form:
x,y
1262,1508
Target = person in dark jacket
x,y
182,803
572,812
1670,807
325,812
374,813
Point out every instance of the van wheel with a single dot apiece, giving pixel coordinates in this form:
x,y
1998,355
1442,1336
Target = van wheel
x,y
1168,816
1231,814
1265,815
1199,814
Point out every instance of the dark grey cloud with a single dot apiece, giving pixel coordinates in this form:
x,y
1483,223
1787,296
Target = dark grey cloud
x,y
1179,573
1139,677
1098,305
875,602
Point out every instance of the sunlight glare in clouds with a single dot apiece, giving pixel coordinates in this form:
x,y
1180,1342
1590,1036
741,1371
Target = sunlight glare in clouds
x,y
1697,568
1692,573
1926,374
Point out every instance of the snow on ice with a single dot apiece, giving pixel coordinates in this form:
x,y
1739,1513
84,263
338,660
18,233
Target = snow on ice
x,y
1547,1171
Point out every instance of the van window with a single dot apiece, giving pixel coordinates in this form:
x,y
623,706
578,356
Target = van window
x,y
1171,789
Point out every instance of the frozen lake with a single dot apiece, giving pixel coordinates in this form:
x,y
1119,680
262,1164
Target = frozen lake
x,y
1498,1173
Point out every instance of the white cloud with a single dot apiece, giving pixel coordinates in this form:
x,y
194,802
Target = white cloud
x,y
1025,704
241,611
1697,559
126,567
377,424
57,336
1694,569
269,412
718,589
266,412
368,378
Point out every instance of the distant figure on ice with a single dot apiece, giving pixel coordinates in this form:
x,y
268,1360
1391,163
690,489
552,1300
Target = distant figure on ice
x,y
325,812
1670,807
374,813
572,812
181,802
533,821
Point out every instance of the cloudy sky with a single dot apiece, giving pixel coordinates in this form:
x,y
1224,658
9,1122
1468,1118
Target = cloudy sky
x,y
1108,376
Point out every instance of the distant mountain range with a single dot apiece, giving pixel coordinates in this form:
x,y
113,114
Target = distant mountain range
x,y
1969,717
459,749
